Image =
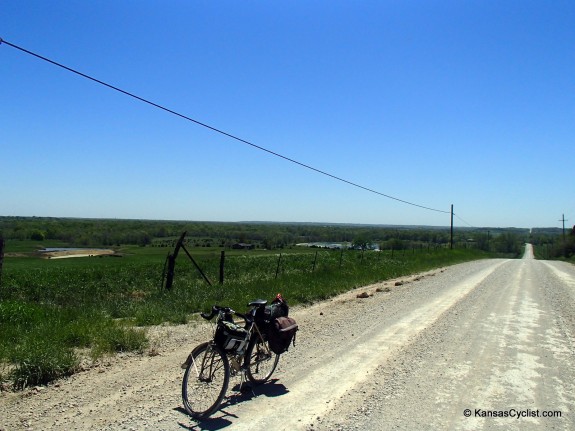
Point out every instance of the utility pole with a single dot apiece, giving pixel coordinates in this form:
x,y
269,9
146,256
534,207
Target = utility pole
x,y
563,220
1,257
451,240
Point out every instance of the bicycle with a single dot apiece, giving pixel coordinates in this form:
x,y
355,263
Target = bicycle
x,y
234,349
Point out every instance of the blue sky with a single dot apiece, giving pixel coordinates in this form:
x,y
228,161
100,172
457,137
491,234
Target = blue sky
x,y
470,103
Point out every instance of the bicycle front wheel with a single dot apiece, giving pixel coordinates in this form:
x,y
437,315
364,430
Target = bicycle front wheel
x,y
261,362
205,381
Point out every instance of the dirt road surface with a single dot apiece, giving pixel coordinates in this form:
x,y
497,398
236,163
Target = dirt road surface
x,y
486,345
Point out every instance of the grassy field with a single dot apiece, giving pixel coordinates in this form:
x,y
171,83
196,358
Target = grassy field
x,y
52,311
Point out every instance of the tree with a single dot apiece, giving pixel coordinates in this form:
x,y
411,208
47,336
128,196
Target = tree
x,y
508,243
361,242
37,235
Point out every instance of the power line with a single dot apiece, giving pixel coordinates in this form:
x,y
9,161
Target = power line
x,y
470,225
214,129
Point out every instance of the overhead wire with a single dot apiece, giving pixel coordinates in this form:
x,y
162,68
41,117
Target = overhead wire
x,y
214,129
460,219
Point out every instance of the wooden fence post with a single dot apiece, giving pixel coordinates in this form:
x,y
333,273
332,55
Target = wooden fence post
x,y
278,265
222,263
1,257
314,262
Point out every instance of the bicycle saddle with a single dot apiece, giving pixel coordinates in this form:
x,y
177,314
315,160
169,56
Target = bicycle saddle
x,y
258,303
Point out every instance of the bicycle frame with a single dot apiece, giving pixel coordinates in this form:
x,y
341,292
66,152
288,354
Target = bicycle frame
x,y
237,358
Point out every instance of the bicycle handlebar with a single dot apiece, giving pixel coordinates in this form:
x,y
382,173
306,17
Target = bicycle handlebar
x,y
215,310
207,316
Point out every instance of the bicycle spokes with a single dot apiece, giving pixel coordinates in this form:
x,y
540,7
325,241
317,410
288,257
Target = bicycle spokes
x,y
205,381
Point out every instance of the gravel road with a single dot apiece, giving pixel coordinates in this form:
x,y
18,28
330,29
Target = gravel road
x,y
483,345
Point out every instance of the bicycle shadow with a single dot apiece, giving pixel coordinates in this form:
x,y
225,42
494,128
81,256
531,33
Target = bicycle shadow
x,y
239,395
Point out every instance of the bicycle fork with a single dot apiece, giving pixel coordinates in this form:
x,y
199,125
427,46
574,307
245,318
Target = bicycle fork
x,y
206,365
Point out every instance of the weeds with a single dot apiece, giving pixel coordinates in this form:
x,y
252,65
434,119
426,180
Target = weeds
x,y
40,361
40,340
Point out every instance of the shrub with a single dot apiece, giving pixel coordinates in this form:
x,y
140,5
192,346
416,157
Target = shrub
x,y
39,361
114,337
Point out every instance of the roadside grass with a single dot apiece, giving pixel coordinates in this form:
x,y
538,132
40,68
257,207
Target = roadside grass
x,y
50,309
40,340
543,252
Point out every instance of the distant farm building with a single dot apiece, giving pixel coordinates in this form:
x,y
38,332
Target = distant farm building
x,y
242,246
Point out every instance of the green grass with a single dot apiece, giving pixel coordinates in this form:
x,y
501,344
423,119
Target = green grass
x,y
39,339
49,309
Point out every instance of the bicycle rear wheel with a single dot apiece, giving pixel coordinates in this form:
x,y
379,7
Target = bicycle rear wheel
x,y
261,362
205,381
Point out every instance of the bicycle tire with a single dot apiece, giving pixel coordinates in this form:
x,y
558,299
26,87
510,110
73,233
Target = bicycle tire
x,y
205,381
260,361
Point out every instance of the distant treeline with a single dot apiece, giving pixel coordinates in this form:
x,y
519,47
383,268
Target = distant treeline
x,y
554,242
109,233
